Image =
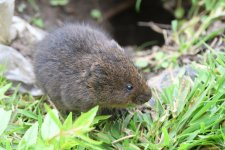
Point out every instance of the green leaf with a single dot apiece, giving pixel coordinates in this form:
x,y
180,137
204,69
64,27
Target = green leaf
x,y
53,115
104,138
30,137
131,146
5,118
194,2
141,63
179,12
174,25
38,22
84,144
99,118
88,140
147,44
21,7
96,13
166,140
69,143
59,2
86,120
115,131
4,89
165,64
33,4
159,55
138,5
49,128
68,122
28,114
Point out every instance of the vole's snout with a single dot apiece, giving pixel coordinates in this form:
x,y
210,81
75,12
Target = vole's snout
x,y
143,98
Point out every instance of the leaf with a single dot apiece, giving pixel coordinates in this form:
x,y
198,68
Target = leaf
x,y
147,44
141,63
3,90
59,2
68,122
131,146
165,64
194,2
5,118
99,118
53,116
115,131
38,22
104,138
95,13
174,25
179,12
88,140
21,7
84,144
28,114
49,127
30,137
138,5
69,143
166,140
34,5
86,119
159,55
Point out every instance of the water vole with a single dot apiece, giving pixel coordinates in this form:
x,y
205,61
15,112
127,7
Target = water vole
x,y
79,67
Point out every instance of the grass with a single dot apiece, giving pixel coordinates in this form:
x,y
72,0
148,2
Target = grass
x,y
188,34
189,114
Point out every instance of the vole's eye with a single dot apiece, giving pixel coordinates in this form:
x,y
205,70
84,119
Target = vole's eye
x,y
129,87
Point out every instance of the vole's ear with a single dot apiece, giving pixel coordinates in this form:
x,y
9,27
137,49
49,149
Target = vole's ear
x,y
96,68
96,77
92,70
115,45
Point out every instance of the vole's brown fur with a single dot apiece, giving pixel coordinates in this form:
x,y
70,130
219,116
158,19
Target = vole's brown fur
x,y
79,67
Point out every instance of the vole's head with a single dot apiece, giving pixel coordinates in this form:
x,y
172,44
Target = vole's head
x,y
115,82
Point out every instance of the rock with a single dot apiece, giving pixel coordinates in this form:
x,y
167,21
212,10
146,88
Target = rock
x,y
25,36
7,10
165,79
19,70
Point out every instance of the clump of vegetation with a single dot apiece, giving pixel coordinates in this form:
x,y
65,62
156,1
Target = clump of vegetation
x,y
200,24
189,114
25,126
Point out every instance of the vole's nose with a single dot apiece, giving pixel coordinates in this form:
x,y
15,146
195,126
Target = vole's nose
x,y
143,98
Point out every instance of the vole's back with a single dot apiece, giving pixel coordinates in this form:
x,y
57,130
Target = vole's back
x,y
78,67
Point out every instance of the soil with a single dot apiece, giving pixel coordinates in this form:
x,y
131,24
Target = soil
x,y
118,17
